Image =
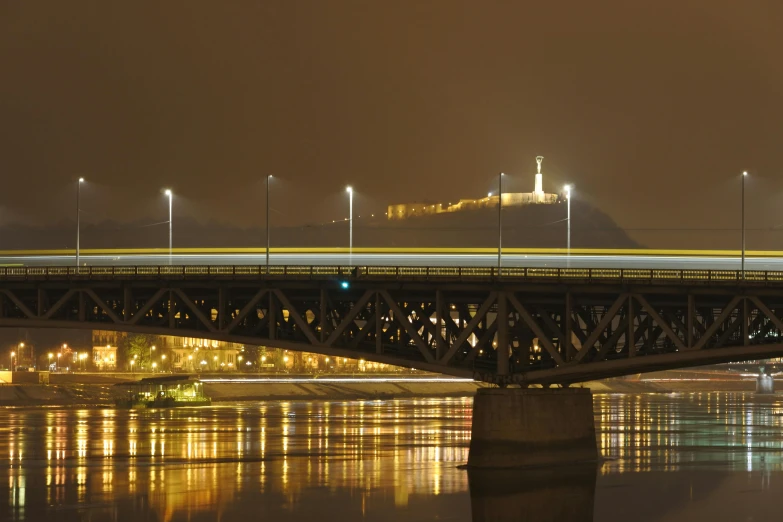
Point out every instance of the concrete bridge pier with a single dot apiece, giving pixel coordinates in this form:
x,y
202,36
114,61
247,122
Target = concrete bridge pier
x,y
765,384
516,427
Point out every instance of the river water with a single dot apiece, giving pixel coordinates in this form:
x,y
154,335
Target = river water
x,y
676,457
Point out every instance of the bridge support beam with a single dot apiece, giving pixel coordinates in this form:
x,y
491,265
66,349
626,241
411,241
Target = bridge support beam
x,y
515,427
765,384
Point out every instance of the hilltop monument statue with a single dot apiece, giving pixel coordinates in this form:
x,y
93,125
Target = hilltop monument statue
x,y
539,189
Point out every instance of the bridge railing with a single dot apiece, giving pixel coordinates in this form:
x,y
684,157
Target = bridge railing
x,y
545,274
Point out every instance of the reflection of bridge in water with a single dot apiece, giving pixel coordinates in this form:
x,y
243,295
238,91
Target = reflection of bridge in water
x,y
521,326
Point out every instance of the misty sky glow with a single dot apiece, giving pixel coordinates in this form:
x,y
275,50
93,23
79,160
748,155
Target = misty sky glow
x,y
650,109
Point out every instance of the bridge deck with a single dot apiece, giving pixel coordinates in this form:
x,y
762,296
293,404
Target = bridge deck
x,y
515,325
400,273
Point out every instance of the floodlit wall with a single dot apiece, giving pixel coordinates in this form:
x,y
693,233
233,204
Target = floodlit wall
x,y
511,199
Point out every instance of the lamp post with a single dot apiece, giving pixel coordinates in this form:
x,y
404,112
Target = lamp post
x,y
267,222
350,224
568,220
132,362
162,361
50,360
500,222
152,349
78,215
57,367
744,175
13,354
171,197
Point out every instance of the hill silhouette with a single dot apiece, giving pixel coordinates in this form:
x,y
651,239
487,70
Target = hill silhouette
x,y
539,226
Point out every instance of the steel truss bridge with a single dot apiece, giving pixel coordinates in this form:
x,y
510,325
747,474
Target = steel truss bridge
x,y
511,326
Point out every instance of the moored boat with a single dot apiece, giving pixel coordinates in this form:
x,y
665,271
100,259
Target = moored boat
x,y
168,391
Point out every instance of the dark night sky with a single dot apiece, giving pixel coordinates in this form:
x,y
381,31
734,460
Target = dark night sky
x,y
651,108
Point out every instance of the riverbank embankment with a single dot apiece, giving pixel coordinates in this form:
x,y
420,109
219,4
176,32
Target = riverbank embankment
x,y
73,389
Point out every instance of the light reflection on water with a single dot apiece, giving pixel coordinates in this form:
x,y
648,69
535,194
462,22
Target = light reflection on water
x,y
376,460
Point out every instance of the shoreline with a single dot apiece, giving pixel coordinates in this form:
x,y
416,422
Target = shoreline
x,y
92,390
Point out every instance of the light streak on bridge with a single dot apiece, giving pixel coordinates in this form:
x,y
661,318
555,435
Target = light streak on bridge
x,y
557,258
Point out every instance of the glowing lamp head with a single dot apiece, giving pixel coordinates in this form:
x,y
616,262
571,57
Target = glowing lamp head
x,y
344,285
13,353
745,173
349,189
81,180
168,192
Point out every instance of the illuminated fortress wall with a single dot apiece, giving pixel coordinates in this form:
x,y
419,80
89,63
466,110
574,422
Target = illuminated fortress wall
x,y
511,199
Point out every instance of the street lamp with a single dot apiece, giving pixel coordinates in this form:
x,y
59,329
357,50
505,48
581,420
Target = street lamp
x,y
500,223
58,361
78,216
267,222
152,349
171,197
12,360
744,175
568,219
132,362
349,190
154,365
50,360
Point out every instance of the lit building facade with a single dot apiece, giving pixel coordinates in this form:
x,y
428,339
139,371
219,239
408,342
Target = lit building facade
x,y
193,355
104,349
190,354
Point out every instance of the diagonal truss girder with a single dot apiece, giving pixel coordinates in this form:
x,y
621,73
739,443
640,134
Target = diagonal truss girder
x,y
543,333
